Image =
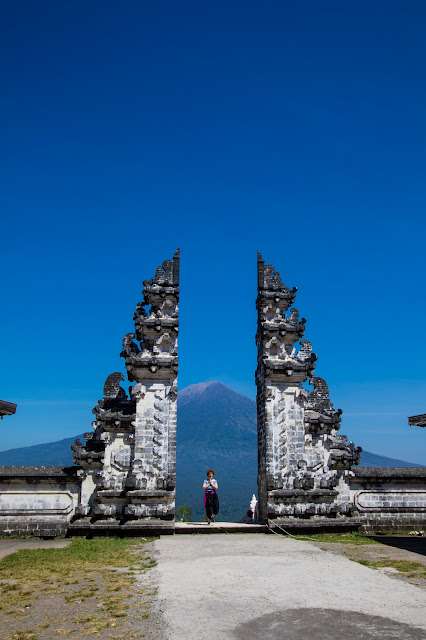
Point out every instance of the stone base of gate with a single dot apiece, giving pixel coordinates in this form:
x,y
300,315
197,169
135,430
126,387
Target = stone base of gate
x,y
106,527
219,527
302,526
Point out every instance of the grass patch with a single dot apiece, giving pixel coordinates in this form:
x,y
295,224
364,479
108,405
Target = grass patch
x,y
347,538
100,569
403,566
94,623
79,555
24,635
79,596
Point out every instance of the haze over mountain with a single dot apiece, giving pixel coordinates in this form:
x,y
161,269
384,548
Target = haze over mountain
x,y
217,429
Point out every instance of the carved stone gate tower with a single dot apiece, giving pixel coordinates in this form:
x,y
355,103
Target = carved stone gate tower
x,y
303,465
129,462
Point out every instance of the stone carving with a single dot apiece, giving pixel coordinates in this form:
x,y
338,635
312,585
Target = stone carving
x,y
323,421
39,502
388,500
302,460
130,458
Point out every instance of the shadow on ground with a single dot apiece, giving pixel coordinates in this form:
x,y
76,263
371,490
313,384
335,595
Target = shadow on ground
x,y
326,624
409,543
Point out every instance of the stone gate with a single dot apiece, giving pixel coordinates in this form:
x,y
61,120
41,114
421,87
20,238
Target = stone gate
x,y
303,464
124,477
129,461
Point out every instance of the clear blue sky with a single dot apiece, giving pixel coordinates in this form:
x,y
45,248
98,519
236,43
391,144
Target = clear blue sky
x,y
293,128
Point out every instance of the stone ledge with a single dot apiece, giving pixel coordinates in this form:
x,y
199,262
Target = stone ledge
x,y
48,472
388,473
154,493
37,527
111,493
113,527
304,493
314,525
219,527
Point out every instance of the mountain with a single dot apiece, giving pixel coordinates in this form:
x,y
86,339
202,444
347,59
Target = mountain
x,y
215,425
216,429
51,453
373,460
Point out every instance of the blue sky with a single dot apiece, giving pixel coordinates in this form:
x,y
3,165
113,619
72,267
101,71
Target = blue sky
x,y
294,128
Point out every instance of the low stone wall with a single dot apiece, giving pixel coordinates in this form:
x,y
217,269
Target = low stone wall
x,y
42,501
389,499
38,501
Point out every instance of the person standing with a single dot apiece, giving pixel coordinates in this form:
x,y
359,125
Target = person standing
x,y
211,501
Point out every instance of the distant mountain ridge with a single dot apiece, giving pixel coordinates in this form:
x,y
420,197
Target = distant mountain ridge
x,y
217,428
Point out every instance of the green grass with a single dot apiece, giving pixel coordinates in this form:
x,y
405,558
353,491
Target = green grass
x,y
415,569
80,554
348,538
101,569
24,635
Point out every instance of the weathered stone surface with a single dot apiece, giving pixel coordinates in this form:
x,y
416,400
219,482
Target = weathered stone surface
x,y
303,463
389,499
389,474
130,460
125,481
35,502
38,500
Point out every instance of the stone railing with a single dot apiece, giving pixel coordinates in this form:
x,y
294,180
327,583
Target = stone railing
x,y
389,499
39,501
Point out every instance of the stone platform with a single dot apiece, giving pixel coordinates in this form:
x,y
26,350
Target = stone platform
x,y
243,588
85,527
294,527
219,527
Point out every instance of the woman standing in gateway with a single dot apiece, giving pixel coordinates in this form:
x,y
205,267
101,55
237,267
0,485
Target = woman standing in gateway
x,y
211,501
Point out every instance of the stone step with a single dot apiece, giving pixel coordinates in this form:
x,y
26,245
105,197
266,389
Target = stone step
x,y
219,527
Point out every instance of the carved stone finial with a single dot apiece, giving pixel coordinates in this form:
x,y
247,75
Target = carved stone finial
x,y
156,326
277,333
112,387
269,281
130,348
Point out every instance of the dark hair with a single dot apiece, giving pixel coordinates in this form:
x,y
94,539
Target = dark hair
x,y
210,471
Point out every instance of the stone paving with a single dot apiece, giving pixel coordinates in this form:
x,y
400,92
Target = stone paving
x,y
264,586
269,587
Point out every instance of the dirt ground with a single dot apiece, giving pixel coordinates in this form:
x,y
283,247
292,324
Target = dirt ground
x,y
78,607
400,551
111,603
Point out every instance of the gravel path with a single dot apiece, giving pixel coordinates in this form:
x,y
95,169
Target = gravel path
x,y
264,586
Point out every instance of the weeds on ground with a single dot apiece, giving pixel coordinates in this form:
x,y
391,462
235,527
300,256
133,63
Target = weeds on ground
x,y
24,635
412,569
347,538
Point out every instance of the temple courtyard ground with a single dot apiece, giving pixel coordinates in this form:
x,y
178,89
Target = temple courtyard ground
x,y
222,586
250,586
